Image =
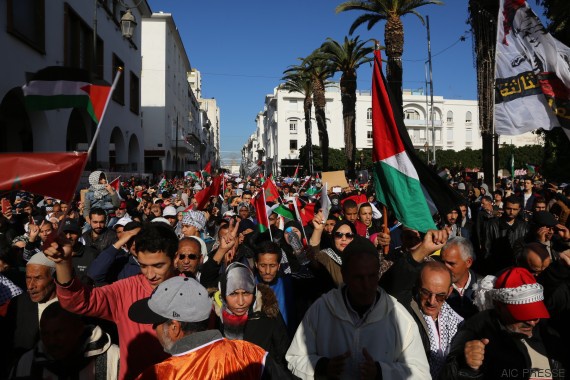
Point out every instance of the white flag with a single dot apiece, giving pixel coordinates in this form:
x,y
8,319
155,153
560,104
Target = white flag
x,y
325,202
532,73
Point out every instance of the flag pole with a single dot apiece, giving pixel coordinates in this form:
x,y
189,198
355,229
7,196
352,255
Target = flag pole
x,y
265,203
98,129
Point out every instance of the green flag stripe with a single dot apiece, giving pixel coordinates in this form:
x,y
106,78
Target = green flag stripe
x,y
408,201
57,101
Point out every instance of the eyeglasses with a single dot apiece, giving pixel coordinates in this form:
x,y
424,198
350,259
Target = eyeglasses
x,y
191,256
426,294
340,235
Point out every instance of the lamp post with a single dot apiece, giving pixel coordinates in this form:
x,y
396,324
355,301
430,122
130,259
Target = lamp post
x,y
128,24
426,147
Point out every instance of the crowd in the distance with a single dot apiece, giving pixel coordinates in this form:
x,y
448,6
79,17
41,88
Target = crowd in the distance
x,y
161,281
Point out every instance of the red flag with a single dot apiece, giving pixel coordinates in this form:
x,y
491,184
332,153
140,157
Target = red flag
x,y
357,198
208,168
98,96
296,171
52,174
271,192
116,184
203,196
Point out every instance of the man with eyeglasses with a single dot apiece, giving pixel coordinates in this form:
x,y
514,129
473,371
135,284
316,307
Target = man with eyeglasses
x,y
189,256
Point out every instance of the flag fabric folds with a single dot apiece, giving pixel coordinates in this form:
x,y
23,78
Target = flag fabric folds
x,y
261,212
403,182
204,195
532,73
65,87
52,174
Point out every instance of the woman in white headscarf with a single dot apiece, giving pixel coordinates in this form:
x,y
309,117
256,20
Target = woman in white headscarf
x,y
100,194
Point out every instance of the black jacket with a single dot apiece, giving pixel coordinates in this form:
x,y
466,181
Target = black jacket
x,y
556,282
505,355
463,305
499,244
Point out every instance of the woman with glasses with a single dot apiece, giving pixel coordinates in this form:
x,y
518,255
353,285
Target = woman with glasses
x,y
343,234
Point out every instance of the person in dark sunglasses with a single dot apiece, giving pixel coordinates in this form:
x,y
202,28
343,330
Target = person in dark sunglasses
x,y
189,256
343,234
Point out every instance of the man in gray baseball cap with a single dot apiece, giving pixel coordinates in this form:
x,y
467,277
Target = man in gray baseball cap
x,y
179,310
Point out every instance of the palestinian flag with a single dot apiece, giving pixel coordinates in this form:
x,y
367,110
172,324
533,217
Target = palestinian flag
x,y
285,212
65,87
403,182
296,174
261,212
116,184
52,174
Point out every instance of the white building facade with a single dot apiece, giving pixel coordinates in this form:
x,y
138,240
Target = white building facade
x,y
79,34
280,128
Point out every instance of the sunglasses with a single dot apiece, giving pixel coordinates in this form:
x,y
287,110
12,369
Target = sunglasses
x,y
340,235
426,294
191,256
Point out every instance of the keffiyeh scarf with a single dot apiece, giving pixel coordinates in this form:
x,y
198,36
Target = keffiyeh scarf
x,y
440,339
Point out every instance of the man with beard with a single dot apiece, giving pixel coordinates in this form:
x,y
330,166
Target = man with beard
x,y
83,256
99,236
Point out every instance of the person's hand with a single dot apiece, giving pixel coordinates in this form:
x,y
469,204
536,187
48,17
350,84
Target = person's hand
x,y
336,365
318,221
368,369
475,353
59,251
228,241
433,240
383,239
563,232
541,234
109,188
33,231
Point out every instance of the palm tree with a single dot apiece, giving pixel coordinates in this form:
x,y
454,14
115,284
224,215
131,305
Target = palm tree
x,y
320,72
391,11
347,58
297,80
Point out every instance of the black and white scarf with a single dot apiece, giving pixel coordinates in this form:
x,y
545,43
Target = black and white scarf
x,y
440,339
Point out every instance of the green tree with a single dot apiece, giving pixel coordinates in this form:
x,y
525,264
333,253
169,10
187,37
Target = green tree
x,y
391,11
298,80
347,58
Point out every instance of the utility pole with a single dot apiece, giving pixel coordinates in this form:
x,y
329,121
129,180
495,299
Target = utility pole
x,y
431,113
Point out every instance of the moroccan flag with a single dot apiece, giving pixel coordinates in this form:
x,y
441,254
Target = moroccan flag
x,y
403,182
52,174
65,87
271,192
204,195
261,212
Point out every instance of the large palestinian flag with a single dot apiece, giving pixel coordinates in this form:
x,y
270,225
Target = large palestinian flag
x,y
403,182
65,87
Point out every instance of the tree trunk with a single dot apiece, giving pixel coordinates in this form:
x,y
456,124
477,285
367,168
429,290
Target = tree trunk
x,y
394,41
320,103
348,96
308,102
484,26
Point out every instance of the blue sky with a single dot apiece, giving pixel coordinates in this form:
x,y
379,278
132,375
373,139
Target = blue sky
x,y
242,48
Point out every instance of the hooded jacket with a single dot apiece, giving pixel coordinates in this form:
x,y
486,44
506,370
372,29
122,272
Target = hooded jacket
x,y
98,196
98,359
388,332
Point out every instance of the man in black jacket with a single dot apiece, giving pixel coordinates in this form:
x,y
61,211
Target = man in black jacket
x,y
510,341
501,237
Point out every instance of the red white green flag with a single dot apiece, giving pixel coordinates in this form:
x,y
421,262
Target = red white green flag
x,y
403,182
64,87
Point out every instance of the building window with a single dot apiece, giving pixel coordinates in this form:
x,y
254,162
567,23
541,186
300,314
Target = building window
x,y
293,105
293,144
368,134
78,45
369,114
26,21
468,117
119,93
449,116
293,126
469,136
134,93
449,135
411,115
438,135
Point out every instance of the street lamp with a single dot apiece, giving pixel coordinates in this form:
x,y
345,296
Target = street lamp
x,y
128,24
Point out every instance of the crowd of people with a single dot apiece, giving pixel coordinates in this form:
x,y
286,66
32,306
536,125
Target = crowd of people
x,y
155,281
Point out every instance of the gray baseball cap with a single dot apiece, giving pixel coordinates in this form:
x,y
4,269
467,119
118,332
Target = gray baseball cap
x,y
179,298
